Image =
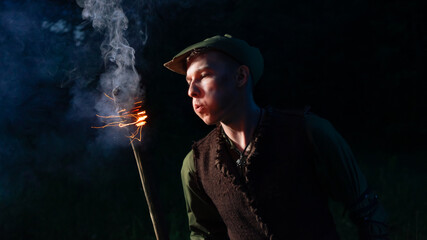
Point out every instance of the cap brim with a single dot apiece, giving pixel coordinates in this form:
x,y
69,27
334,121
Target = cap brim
x,y
178,64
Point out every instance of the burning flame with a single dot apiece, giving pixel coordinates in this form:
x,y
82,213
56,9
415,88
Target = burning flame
x,y
134,117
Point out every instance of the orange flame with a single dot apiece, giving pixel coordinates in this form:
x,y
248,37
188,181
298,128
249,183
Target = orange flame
x,y
134,117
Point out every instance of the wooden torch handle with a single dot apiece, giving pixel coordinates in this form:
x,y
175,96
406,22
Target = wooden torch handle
x,y
158,230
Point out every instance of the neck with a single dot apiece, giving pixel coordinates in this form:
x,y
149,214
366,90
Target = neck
x,y
241,126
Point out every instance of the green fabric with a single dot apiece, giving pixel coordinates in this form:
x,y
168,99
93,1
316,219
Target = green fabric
x,y
208,221
238,49
336,167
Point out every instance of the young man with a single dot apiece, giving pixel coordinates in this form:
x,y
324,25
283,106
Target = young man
x,y
263,173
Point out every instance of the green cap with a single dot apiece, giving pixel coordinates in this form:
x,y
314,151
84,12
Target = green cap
x,y
238,49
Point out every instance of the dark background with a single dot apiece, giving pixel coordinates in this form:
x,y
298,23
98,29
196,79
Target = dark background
x,y
360,64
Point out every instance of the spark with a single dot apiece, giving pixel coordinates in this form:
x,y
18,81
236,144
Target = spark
x,y
124,118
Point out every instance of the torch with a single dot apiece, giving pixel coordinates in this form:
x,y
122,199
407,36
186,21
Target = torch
x,y
158,231
134,119
123,82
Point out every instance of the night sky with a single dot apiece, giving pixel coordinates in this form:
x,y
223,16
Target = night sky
x,y
359,64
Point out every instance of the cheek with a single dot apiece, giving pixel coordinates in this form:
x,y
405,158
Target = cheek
x,y
209,91
217,94
220,100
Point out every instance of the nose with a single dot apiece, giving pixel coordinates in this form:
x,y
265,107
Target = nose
x,y
193,90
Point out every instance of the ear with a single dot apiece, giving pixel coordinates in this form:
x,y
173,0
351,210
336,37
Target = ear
x,y
242,75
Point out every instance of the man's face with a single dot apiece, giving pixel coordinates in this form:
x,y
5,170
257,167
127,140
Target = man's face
x,y
210,77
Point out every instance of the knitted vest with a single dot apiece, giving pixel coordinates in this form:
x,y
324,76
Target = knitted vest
x,y
279,197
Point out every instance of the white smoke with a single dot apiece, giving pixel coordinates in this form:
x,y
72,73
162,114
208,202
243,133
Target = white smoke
x,y
120,80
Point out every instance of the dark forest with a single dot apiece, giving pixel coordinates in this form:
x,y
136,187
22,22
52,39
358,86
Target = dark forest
x,y
360,64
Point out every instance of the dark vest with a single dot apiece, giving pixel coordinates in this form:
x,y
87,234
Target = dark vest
x,y
279,197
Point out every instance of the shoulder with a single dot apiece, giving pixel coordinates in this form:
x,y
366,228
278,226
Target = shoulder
x,y
277,112
316,123
289,118
208,138
324,134
188,164
319,127
204,145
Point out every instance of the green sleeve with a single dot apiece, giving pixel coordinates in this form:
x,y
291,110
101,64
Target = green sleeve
x,y
203,217
341,176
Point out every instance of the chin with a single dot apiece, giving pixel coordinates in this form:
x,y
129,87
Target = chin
x,y
208,120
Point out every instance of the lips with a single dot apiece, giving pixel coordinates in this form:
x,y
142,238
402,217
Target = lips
x,y
198,107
